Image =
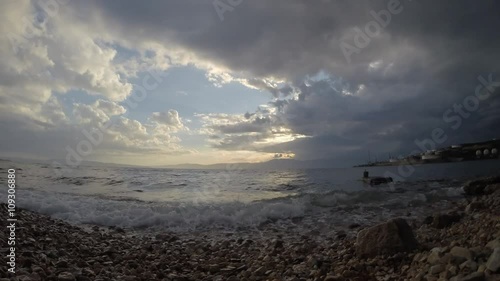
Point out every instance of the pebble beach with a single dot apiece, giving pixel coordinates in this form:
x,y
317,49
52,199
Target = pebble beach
x,y
461,243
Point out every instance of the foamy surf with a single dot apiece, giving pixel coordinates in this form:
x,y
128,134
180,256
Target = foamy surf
x,y
156,215
187,200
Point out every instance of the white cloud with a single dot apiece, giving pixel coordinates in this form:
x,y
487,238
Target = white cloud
x,y
109,107
169,120
47,54
245,132
87,114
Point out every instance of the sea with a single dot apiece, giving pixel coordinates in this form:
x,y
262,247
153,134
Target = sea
x,y
233,199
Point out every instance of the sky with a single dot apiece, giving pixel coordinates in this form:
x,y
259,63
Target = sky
x,y
202,81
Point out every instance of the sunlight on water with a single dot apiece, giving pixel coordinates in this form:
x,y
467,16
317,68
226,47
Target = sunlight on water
x,y
187,199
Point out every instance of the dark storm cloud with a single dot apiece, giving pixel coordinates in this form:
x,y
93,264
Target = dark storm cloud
x,y
395,90
296,38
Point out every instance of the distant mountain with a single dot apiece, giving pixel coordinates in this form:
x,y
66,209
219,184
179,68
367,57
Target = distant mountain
x,y
62,162
275,164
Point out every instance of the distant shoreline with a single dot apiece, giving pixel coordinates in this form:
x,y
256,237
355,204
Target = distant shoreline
x,y
386,164
477,151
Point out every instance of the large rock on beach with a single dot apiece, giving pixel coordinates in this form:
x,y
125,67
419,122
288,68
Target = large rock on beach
x,y
477,187
461,254
389,238
493,263
444,220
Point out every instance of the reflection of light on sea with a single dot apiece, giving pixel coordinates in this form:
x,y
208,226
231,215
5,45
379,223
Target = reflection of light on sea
x,y
186,199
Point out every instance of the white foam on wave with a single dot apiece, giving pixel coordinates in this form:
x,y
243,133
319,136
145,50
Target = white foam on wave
x,y
157,215
444,193
454,191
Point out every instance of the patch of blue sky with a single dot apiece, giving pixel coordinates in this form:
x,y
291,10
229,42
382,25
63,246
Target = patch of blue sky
x,y
187,90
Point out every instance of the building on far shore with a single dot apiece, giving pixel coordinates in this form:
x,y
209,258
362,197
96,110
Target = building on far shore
x,y
454,153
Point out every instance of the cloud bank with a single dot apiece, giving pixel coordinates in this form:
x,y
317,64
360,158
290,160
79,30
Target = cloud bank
x,y
408,69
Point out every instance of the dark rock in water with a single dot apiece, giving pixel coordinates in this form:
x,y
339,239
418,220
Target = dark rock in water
x,y
115,182
391,237
380,180
477,187
138,190
354,225
445,220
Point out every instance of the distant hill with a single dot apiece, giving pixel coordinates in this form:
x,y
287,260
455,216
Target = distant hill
x,y
62,162
275,164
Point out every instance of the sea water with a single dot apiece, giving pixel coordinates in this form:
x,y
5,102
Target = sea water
x,y
192,200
